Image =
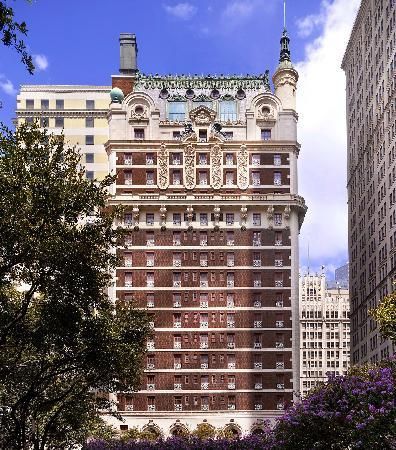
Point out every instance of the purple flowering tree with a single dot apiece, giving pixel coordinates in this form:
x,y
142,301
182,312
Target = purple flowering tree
x,y
357,411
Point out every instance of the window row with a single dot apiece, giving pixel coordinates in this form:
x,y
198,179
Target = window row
x,y
59,104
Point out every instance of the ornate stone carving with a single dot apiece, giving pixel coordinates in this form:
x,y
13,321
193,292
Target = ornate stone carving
x,y
242,168
163,217
163,167
190,215
243,217
216,169
270,216
139,115
202,115
189,166
135,215
216,216
287,212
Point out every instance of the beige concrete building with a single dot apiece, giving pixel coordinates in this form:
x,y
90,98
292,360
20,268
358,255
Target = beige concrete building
x,y
324,331
80,112
370,67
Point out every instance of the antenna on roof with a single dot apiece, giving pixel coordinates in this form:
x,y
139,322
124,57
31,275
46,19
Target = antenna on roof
x,y
308,258
284,14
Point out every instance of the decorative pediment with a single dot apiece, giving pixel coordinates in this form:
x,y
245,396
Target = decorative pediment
x,y
202,115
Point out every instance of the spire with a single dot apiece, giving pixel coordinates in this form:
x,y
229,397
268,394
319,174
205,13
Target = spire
x,y
285,50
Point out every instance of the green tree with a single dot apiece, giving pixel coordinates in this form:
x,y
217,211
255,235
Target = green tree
x,y
63,344
11,31
385,315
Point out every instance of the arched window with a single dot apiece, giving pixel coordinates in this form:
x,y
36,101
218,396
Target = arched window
x,y
228,109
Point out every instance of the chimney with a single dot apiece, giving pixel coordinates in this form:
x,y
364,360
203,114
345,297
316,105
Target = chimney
x,y
128,54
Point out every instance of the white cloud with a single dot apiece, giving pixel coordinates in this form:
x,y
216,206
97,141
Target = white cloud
x,y
40,62
322,133
7,86
307,24
184,11
239,9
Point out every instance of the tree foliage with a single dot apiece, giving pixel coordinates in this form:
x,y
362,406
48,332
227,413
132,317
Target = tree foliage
x,y
10,32
62,342
385,315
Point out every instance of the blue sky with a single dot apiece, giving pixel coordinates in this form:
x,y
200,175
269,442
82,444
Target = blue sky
x,y
76,42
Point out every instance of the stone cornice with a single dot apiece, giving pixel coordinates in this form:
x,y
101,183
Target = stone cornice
x,y
74,113
63,88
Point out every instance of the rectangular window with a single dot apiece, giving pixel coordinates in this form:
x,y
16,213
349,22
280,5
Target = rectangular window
x,y
29,104
229,159
278,219
228,110
59,122
44,104
149,159
176,135
229,178
265,135
176,177
256,219
59,104
139,133
177,219
203,135
277,160
89,174
44,122
149,177
203,178
230,219
203,159
256,178
203,219
90,104
277,178
89,139
229,135
176,159
90,158
89,122
177,111
256,160
150,219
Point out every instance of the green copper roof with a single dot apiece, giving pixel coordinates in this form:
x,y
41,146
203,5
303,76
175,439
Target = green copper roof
x,y
246,82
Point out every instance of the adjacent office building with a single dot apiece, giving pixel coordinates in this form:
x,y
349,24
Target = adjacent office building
x,y
324,331
370,67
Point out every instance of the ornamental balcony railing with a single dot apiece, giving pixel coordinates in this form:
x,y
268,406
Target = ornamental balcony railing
x,y
279,345
278,283
230,324
279,324
230,345
128,283
257,345
149,161
277,182
203,304
280,386
150,304
258,407
204,407
278,243
280,406
231,406
177,345
230,283
177,386
230,304
257,324
203,182
229,162
279,303
256,182
203,263
128,161
230,242
257,304
231,365
150,407
257,283
150,387
204,365
150,283
258,385
128,263
176,162
203,324
176,242
203,345
257,263
204,385
176,181
177,365
150,242
150,366
128,407
280,365
255,162
150,263
177,284
149,182
230,182
258,365
230,263
151,324
231,386
203,284
278,263
176,263
203,243
178,407
177,325
177,304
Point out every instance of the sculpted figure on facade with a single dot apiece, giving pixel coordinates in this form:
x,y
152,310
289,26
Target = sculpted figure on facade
x,y
135,214
216,170
163,167
189,166
163,217
242,168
